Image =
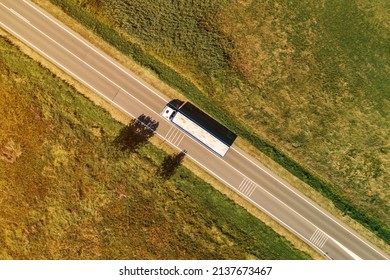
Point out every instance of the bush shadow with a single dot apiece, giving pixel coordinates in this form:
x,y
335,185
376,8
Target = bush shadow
x,y
170,164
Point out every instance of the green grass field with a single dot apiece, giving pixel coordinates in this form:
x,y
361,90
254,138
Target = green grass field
x,y
68,191
305,82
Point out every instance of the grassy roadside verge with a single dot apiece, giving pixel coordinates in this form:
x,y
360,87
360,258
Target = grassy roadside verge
x,y
86,199
195,94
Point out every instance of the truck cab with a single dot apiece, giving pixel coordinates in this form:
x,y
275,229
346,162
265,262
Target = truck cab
x,y
168,113
171,109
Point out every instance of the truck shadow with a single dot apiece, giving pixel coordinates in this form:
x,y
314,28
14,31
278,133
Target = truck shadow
x,y
136,133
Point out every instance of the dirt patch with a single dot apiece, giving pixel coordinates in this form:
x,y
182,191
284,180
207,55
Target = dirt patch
x,y
10,151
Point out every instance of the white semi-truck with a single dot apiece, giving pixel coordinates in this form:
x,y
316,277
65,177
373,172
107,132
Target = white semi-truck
x,y
199,125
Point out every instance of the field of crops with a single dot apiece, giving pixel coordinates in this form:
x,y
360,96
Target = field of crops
x,y
306,82
71,188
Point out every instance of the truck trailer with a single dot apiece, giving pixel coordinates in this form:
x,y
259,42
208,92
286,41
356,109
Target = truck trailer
x,y
200,126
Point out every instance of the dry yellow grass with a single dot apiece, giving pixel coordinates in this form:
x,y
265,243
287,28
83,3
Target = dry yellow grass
x,y
72,195
150,78
289,115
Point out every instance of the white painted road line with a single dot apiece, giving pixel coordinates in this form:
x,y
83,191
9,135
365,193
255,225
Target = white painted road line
x,y
319,238
89,66
125,71
258,166
174,136
247,187
15,13
19,15
170,131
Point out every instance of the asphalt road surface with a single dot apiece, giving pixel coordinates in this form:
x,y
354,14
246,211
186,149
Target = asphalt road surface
x,y
238,170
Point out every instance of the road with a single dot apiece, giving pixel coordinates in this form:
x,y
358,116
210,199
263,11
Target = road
x,y
238,170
